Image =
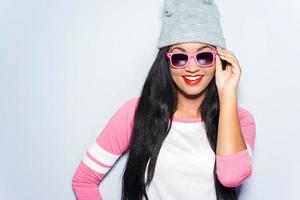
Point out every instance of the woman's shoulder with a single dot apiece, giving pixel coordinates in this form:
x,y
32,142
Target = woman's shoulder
x,y
131,102
128,107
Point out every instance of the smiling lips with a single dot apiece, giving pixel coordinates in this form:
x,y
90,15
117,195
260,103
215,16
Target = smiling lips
x,y
192,80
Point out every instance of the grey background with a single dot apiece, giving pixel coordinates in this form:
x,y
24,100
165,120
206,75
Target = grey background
x,y
66,66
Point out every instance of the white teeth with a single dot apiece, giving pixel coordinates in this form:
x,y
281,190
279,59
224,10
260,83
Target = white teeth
x,y
192,77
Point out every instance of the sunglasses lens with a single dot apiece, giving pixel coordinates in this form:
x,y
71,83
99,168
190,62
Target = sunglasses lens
x,y
205,58
179,59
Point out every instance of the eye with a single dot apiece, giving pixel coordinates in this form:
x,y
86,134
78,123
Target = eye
x,y
179,59
205,58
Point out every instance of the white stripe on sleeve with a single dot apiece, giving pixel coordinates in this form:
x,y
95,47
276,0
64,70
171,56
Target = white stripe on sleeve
x,y
102,155
94,166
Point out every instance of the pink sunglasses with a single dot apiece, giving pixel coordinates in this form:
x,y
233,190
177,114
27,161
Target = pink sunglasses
x,y
180,60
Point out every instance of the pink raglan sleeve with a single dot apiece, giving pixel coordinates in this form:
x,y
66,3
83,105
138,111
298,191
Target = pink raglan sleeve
x,y
233,170
109,145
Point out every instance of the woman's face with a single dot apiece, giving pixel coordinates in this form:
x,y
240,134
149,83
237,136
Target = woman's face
x,y
180,76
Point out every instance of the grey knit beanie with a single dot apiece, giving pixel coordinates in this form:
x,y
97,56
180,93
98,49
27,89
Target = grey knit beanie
x,y
191,21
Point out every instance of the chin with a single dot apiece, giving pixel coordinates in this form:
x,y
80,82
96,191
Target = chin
x,y
192,92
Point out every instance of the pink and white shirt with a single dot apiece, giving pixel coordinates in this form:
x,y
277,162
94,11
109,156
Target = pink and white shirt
x,y
184,168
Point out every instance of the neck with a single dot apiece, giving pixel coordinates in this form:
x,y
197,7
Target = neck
x,y
188,106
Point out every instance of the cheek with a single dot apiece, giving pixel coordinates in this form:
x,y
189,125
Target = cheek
x,y
176,74
210,71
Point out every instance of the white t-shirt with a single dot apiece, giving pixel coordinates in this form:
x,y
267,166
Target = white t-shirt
x,y
184,167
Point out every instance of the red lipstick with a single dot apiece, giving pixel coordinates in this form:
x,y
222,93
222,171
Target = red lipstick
x,y
192,80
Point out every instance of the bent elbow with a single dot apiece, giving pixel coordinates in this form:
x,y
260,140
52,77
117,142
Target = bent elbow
x,y
85,177
75,182
234,178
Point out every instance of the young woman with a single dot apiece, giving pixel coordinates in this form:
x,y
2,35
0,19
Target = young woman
x,y
185,135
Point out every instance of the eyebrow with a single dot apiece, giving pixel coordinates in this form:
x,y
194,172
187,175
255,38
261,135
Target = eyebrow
x,y
197,49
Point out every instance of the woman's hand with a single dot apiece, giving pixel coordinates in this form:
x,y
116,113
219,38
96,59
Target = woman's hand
x,y
227,80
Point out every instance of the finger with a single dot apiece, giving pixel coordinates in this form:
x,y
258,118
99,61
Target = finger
x,y
230,60
228,54
234,68
225,50
218,64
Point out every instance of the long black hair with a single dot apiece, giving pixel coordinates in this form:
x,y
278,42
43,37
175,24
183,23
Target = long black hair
x,y
157,104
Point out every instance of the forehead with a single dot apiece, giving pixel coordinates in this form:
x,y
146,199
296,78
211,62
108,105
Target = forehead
x,y
191,46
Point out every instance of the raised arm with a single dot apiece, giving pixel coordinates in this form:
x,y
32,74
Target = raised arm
x,y
233,170
103,153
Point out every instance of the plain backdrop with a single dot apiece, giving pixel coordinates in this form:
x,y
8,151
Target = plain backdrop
x,y
66,67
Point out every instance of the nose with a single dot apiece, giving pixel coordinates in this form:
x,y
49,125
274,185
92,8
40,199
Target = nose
x,y
192,66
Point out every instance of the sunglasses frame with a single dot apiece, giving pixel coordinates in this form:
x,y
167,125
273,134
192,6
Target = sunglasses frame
x,y
193,55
